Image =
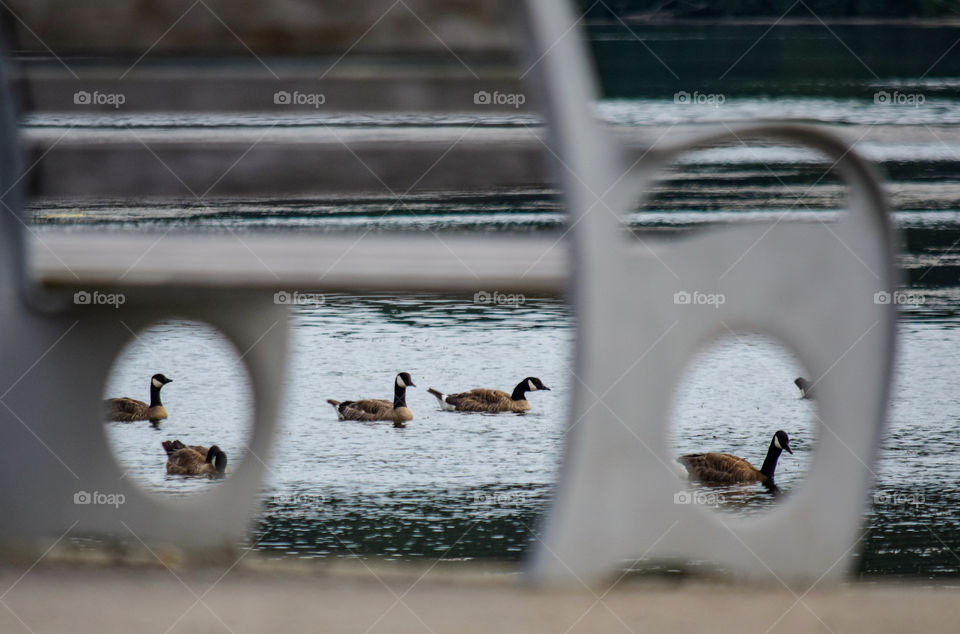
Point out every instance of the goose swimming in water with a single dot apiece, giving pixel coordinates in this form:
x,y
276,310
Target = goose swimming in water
x,y
194,460
126,410
724,468
487,400
379,409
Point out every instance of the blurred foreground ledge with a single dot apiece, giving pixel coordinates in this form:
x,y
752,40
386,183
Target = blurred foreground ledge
x,y
252,596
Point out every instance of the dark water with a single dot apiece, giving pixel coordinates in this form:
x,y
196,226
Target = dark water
x,y
783,61
462,486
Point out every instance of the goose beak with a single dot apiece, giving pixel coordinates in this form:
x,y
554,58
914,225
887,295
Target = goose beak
x,y
545,388
411,384
787,447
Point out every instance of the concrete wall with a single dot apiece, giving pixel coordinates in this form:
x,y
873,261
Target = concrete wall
x,y
266,27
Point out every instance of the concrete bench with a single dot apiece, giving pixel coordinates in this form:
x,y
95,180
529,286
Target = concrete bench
x,y
615,495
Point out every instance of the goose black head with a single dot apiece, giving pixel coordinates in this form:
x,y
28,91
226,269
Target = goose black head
x,y
158,381
218,458
534,384
805,387
782,441
529,384
404,380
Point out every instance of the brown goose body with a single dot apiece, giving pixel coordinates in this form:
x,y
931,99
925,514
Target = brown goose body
x,y
194,460
126,410
482,400
171,446
375,409
724,468
371,409
487,400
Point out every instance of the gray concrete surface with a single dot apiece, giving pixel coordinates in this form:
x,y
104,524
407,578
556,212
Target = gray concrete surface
x,y
451,597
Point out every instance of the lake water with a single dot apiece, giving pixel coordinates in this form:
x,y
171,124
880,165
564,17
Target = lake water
x,y
472,486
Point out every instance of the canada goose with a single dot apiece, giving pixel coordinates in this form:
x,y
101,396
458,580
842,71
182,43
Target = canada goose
x,y
486,400
379,409
130,409
194,460
724,468
805,386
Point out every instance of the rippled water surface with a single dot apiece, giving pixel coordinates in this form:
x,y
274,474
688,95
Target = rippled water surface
x,y
475,485
337,486
472,486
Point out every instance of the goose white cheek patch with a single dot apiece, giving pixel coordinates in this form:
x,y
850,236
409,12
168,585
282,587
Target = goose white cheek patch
x,y
156,383
533,388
